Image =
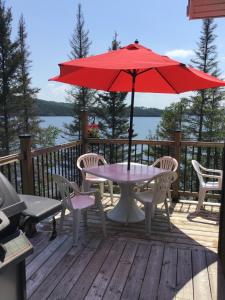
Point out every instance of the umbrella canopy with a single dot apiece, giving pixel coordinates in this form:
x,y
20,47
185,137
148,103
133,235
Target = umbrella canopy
x,y
134,68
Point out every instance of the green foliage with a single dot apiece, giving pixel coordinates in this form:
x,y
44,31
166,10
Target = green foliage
x,y
53,108
113,122
172,120
201,116
47,136
28,121
9,59
111,109
206,116
81,98
140,111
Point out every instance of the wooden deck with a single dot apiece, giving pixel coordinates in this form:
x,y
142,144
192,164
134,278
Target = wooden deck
x,y
180,264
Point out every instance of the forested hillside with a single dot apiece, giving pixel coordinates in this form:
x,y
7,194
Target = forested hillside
x,y
53,108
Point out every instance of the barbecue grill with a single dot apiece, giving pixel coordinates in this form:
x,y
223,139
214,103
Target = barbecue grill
x,y
14,246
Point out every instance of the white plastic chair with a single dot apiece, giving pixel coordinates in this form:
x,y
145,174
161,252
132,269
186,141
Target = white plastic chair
x,y
150,198
169,163
204,185
77,201
93,160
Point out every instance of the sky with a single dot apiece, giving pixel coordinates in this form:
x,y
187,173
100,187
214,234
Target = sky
x,y
160,25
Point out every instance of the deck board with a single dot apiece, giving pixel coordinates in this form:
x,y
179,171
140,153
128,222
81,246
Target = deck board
x,y
118,281
181,264
149,289
134,281
74,272
104,275
57,274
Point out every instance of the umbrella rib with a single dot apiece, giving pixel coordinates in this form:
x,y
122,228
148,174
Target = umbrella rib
x,y
141,72
114,79
157,70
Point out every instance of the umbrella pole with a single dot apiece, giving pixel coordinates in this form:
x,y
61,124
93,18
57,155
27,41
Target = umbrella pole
x,y
131,118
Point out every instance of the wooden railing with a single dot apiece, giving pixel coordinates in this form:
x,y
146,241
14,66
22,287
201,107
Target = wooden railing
x,y
31,170
60,160
10,166
147,151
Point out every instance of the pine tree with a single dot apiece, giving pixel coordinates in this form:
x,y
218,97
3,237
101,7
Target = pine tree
x,y
206,118
112,110
203,119
9,59
28,121
82,98
172,120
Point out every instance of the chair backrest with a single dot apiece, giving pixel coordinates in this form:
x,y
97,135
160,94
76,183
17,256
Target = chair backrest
x,y
197,167
161,185
90,160
167,162
66,189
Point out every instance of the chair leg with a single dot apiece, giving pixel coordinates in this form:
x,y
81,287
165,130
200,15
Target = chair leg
x,y
148,217
54,232
101,210
201,198
62,219
102,189
76,223
111,190
85,217
169,196
153,210
85,186
168,214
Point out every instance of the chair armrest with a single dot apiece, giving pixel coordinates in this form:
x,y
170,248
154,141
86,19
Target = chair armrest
x,y
212,170
216,171
212,176
83,174
75,188
141,185
88,193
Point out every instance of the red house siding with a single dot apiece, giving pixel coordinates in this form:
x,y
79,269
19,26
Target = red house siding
x,y
199,9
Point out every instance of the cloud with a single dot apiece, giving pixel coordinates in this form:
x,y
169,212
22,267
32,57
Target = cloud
x,y
182,53
54,92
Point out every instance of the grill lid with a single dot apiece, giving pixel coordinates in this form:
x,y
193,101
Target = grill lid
x,y
10,202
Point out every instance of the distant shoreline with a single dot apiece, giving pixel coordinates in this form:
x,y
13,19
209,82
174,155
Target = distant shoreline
x,y
63,109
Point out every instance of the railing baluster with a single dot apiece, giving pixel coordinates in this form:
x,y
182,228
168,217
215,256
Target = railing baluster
x,y
192,175
15,177
34,175
43,174
185,165
9,172
142,151
51,173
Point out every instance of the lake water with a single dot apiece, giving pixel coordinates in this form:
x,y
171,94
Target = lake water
x,y
142,125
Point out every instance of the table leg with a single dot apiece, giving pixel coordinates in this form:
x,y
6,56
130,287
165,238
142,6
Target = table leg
x,y
126,210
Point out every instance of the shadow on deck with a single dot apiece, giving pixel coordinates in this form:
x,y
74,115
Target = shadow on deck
x,y
180,264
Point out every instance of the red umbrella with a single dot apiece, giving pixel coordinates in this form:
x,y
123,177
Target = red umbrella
x,y
134,68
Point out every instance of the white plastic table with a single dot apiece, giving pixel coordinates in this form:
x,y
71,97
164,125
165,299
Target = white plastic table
x,y
126,210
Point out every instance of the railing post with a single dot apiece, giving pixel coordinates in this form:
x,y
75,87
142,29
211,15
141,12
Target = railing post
x,y
84,131
177,154
26,164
